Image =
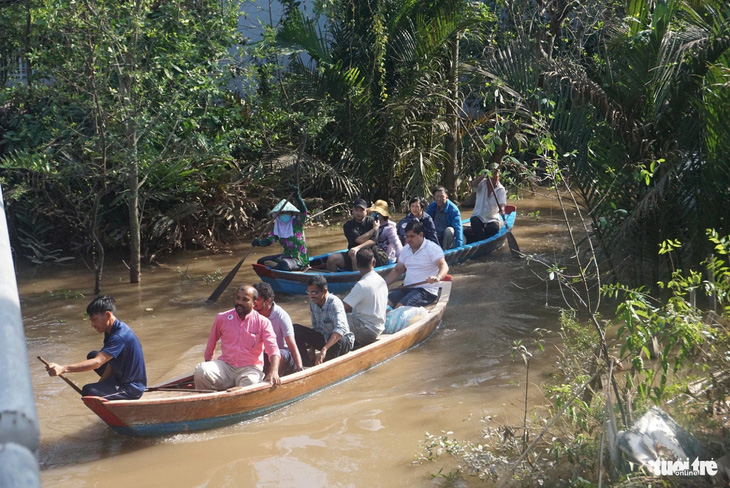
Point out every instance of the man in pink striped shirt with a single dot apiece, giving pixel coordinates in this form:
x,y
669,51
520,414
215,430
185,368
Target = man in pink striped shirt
x,y
244,335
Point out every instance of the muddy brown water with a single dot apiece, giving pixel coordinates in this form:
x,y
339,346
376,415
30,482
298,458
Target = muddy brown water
x,y
363,432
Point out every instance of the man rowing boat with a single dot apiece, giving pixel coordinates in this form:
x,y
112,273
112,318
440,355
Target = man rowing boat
x,y
120,363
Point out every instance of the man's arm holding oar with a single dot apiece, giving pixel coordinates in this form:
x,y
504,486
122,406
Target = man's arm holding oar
x,y
53,371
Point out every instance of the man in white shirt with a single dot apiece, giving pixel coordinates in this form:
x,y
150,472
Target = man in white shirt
x,y
488,215
367,302
424,265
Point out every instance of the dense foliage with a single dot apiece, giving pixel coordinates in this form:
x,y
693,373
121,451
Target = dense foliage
x,y
153,125
119,131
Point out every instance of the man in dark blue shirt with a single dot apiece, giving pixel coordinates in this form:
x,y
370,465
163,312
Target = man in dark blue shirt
x,y
120,363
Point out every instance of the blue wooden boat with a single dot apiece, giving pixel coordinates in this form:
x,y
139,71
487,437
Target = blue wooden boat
x,y
295,282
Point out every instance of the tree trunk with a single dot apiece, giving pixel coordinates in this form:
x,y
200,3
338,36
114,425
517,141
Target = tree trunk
x,y
27,45
132,138
133,202
99,252
451,142
132,181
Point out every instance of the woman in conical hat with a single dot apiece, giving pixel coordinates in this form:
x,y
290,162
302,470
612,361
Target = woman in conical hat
x,y
289,231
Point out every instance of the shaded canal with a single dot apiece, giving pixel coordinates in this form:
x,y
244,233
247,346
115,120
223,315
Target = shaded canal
x,y
364,432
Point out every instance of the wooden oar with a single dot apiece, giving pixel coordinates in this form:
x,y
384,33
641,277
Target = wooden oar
x,y
511,241
445,278
411,285
227,280
181,390
70,383
232,273
311,217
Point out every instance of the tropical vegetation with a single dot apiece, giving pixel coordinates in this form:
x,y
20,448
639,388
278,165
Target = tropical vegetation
x,y
155,125
150,126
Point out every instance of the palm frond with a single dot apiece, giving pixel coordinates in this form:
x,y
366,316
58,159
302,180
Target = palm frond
x,y
687,53
303,33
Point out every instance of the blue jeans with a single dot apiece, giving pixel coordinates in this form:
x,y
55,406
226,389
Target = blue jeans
x,y
111,388
411,297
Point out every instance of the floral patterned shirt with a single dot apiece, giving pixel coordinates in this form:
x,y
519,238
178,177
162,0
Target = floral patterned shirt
x,y
295,247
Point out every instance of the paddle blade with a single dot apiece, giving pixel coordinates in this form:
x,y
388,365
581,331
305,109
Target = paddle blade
x,y
513,247
511,241
224,284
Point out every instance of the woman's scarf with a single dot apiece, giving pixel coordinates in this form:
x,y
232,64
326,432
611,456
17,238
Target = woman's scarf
x,y
284,230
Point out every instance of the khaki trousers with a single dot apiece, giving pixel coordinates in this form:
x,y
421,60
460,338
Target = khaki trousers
x,y
219,375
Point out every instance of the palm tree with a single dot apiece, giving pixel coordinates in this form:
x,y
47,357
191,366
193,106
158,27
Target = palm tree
x,y
651,155
391,62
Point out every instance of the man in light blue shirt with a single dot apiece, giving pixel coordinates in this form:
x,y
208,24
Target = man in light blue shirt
x,y
330,333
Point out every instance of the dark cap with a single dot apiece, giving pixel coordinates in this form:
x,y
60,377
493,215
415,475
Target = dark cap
x,y
359,202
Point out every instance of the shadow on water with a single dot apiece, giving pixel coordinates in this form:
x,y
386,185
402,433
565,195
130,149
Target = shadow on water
x,y
88,444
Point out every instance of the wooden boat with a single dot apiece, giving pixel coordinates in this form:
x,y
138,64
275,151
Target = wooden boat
x,y
175,406
295,282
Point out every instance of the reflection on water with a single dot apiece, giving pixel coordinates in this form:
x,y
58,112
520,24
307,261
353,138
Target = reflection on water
x,y
363,432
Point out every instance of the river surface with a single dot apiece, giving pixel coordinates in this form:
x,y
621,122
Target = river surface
x,y
364,432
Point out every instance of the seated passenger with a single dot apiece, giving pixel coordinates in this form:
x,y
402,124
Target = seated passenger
x,y
120,363
417,206
424,265
291,361
447,219
388,241
330,333
367,302
488,215
289,231
361,232
244,335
